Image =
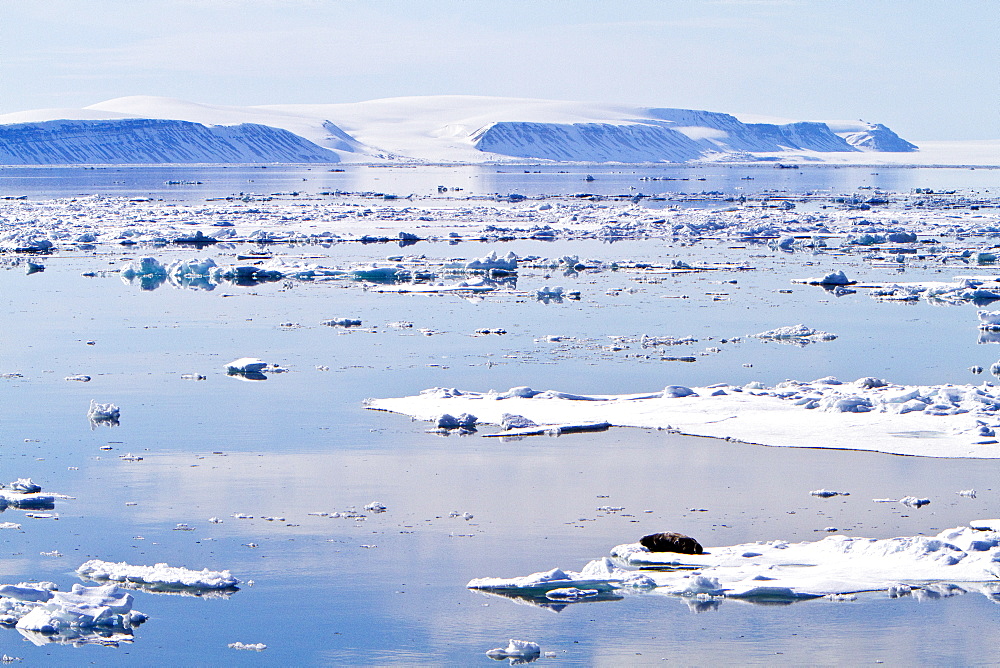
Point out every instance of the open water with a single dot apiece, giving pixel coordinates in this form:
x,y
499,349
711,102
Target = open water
x,y
390,589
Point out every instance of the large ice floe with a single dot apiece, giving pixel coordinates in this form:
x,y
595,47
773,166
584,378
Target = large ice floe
x,y
84,615
25,494
954,561
159,578
100,614
866,414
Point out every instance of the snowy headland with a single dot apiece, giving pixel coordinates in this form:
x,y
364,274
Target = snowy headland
x,y
444,129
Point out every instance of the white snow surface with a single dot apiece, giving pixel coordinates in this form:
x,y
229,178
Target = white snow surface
x,y
867,414
159,574
456,128
778,570
38,608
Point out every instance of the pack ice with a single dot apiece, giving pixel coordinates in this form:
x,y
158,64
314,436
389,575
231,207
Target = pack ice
x,y
954,561
869,413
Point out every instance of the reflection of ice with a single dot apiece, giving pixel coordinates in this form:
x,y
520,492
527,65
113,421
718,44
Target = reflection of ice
x,y
149,273
540,600
169,589
698,605
79,637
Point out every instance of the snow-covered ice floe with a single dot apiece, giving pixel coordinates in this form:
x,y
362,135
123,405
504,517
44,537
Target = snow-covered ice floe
x,y
955,561
84,615
25,494
158,578
795,334
866,414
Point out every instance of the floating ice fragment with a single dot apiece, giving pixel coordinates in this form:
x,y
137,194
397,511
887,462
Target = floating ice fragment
x,y
510,421
546,294
914,502
968,493
25,486
834,278
463,421
989,320
159,577
245,365
104,607
103,413
826,493
79,377
341,322
795,334
518,651
375,507
256,647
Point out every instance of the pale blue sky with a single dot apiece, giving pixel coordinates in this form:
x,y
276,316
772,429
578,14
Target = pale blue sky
x,y
928,69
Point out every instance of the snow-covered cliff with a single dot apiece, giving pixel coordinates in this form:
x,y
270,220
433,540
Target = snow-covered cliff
x,y
142,141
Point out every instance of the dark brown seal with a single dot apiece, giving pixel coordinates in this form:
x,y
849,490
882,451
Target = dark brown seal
x,y
670,542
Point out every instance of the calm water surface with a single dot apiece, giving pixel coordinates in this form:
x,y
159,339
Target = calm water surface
x,y
390,589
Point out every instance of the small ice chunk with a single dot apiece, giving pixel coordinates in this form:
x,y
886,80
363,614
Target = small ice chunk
x,y
103,412
341,322
79,377
833,278
827,493
255,647
463,421
914,502
246,365
25,486
516,649
968,493
375,507
989,320
511,421
677,391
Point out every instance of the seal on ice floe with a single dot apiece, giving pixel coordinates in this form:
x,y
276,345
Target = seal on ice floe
x,y
671,542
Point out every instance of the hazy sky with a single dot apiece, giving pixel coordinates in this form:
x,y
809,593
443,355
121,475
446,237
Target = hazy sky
x,y
929,69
